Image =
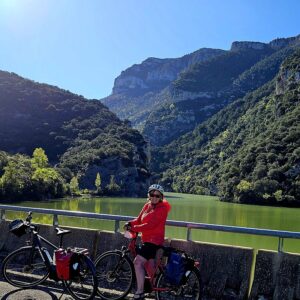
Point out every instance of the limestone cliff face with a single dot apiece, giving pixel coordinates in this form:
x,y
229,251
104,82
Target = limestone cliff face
x,y
288,77
283,42
154,73
236,46
275,44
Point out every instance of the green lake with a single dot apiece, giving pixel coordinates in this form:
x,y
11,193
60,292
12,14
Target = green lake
x,y
189,208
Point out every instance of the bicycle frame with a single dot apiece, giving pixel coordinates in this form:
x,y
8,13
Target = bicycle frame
x,y
37,243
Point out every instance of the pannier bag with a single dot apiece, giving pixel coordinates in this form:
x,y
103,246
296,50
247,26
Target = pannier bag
x,y
17,227
66,261
175,268
63,263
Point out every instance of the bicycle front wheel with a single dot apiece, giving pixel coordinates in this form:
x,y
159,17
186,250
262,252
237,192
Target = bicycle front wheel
x,y
191,289
84,283
115,275
25,268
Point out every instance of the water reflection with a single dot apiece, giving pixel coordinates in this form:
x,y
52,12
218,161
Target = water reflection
x,y
190,208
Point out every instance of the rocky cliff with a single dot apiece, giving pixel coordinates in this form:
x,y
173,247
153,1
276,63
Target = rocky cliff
x,y
154,74
206,80
136,91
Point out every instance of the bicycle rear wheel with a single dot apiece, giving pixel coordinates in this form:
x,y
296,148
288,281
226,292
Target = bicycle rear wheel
x,y
115,275
84,283
25,268
190,290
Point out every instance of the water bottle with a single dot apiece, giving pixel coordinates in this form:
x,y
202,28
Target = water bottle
x,y
48,255
128,234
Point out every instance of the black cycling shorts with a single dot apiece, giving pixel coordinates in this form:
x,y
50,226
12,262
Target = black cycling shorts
x,y
147,250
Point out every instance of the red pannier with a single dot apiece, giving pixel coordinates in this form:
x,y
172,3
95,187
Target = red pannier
x,y
63,261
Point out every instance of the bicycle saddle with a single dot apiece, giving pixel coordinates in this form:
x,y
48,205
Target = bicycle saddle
x,y
61,231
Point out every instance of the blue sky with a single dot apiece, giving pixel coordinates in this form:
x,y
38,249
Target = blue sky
x,y
82,46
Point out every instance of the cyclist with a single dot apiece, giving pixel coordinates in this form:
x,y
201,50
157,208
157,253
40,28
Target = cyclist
x,y
151,223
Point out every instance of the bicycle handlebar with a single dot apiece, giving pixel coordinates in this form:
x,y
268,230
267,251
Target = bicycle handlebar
x,y
29,217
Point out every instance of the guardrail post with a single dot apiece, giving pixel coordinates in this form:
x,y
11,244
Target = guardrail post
x,y
2,215
280,244
117,226
189,234
55,220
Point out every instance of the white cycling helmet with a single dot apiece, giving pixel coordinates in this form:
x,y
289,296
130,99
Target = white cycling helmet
x,y
156,187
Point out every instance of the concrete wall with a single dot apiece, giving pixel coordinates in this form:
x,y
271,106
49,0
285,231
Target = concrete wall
x,y
225,270
277,276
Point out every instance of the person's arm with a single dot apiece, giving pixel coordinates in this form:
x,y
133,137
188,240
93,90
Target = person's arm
x,y
159,216
137,220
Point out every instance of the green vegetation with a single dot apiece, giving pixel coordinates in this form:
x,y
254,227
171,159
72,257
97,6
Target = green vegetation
x,y
169,121
248,152
74,186
98,183
30,178
206,76
81,137
112,188
233,133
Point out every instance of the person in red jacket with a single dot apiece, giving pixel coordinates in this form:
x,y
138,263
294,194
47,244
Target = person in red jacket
x,y
151,223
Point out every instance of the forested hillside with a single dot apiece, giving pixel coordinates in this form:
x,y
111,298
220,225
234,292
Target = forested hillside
x,y
207,87
249,152
166,98
81,136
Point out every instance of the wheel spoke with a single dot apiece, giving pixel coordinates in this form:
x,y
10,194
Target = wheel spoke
x,y
24,268
84,285
115,275
190,290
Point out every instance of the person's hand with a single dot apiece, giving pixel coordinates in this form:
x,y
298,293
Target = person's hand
x,y
127,226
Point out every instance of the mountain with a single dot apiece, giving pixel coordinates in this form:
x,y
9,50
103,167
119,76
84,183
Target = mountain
x,y
134,92
207,87
199,90
77,134
249,152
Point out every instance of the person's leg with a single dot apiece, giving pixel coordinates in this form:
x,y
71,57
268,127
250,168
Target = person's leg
x,y
150,267
139,263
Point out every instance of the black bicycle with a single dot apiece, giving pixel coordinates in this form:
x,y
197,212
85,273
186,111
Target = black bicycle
x,y
31,265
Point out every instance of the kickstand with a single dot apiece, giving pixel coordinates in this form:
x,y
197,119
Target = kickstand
x,y
64,291
62,294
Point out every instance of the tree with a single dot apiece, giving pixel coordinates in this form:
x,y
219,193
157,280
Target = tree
x,y
16,180
74,186
47,182
98,183
113,187
39,159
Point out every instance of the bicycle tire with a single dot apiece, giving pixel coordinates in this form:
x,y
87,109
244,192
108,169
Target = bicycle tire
x,y
25,268
190,290
85,283
115,275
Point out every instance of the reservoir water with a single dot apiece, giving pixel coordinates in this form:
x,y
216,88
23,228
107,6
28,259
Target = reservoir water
x,y
189,208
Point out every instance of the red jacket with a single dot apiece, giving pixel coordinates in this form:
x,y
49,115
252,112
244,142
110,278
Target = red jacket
x,y
151,222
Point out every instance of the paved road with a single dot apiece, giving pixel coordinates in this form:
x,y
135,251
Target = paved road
x,y
8,292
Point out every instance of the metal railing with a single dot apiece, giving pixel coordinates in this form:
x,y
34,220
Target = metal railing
x,y
189,225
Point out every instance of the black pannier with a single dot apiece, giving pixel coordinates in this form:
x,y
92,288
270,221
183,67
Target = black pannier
x,y
18,227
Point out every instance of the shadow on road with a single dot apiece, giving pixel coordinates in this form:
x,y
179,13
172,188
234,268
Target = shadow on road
x,y
38,293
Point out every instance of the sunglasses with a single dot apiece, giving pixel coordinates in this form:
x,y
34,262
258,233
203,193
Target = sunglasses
x,y
154,196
